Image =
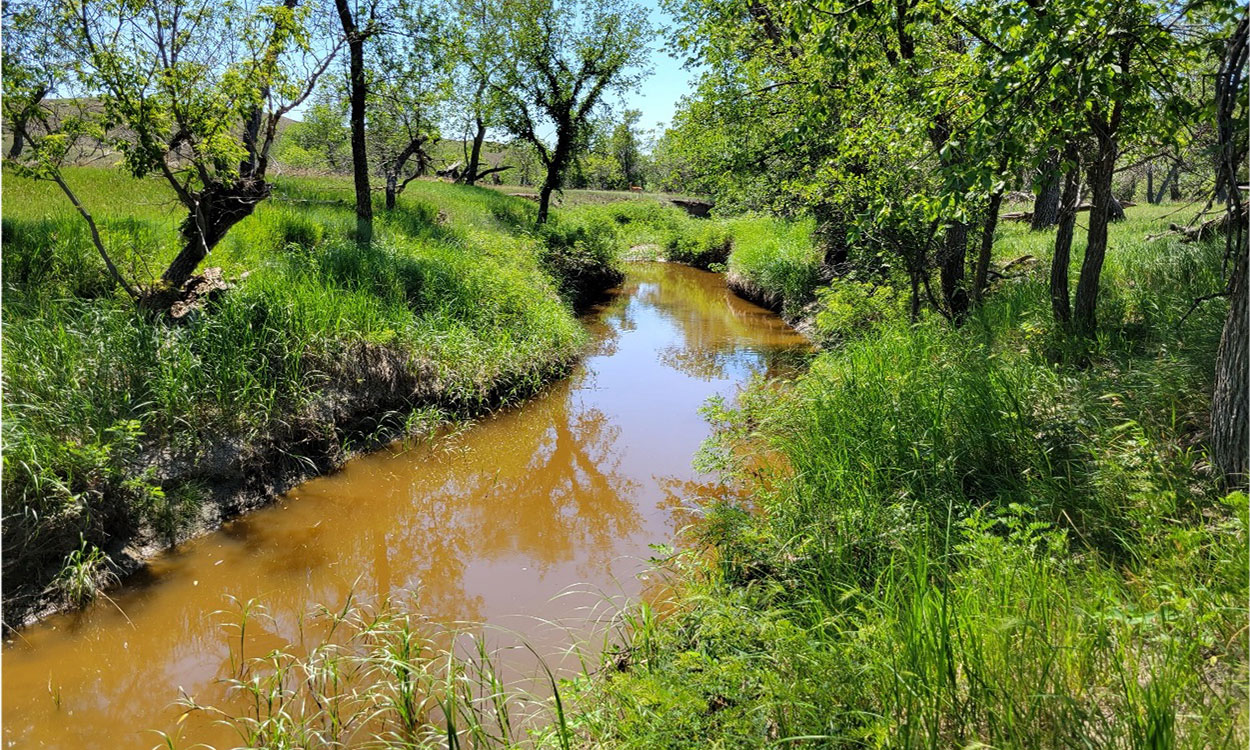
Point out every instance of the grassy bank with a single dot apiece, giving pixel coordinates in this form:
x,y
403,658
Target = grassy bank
x,y
989,536
770,261
986,536
123,430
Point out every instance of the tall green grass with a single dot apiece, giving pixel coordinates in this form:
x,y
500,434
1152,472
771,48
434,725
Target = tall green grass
x,y
985,536
117,422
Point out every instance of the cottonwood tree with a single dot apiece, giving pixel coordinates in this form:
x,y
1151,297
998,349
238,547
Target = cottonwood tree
x,y
191,92
1230,403
409,83
562,57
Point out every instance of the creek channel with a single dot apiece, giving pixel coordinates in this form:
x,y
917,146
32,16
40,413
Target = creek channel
x,y
496,524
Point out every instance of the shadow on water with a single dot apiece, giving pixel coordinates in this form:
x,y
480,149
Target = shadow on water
x,y
492,525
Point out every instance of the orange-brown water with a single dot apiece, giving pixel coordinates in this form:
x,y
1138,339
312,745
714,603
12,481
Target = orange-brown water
x,y
488,526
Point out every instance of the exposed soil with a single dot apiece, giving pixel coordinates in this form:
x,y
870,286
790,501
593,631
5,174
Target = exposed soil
x,y
369,392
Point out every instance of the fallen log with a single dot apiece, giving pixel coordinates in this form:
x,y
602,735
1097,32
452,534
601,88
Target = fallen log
x,y
1028,215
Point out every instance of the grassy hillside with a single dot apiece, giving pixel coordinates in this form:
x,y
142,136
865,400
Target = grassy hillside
x,y
124,429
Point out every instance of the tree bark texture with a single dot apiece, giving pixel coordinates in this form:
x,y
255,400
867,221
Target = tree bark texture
x,y
1084,312
951,263
1046,204
475,155
360,155
1230,410
1060,301
561,155
218,208
981,277
1229,440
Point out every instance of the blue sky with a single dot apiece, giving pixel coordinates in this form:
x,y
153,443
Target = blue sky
x,y
657,96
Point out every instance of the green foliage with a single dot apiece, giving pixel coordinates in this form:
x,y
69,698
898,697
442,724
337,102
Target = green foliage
x,y
775,262
850,309
704,245
561,57
81,578
320,139
962,537
582,254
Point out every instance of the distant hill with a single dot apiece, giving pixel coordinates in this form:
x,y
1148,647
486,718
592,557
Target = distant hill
x,y
446,152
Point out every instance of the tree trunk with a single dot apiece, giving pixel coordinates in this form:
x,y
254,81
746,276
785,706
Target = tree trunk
x,y
544,202
561,155
1150,185
951,265
360,156
1046,204
1062,260
987,247
953,256
1100,174
1229,400
218,208
392,184
19,139
475,155
1115,212
1171,181
1230,423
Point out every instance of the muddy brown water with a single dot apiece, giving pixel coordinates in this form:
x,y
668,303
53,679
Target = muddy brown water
x,y
496,524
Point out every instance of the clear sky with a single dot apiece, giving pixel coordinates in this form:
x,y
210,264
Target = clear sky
x,y
658,95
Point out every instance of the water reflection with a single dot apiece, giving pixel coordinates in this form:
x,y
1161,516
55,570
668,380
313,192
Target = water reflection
x,y
572,487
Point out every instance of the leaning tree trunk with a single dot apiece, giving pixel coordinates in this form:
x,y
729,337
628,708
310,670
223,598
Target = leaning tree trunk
x,y
475,155
19,139
1046,204
1060,301
218,208
560,158
1115,212
1100,174
396,167
544,201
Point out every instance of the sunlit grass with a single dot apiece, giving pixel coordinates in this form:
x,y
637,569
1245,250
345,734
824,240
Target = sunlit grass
x,y
995,535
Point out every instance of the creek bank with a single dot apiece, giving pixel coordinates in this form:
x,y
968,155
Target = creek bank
x,y
804,322
370,395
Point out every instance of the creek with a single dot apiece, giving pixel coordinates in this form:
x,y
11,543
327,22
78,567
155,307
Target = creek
x,y
495,524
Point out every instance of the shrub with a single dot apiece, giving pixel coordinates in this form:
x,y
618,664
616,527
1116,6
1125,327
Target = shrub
x,y
582,254
850,308
707,244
